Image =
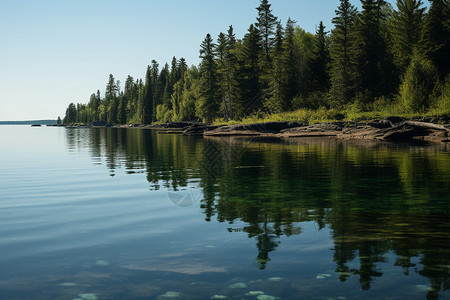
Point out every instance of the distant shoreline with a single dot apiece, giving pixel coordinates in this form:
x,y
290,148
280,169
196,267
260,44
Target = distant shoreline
x,y
29,122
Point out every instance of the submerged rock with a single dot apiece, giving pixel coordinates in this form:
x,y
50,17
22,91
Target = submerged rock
x,y
219,297
87,296
254,293
102,263
422,288
170,295
266,297
68,284
237,285
275,279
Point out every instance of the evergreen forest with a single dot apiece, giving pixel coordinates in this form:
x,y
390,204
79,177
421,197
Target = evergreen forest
x,y
377,60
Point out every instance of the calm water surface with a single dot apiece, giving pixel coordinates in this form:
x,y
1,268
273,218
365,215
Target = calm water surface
x,y
132,214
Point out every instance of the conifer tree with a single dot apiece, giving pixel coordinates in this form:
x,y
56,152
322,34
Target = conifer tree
x,y
147,98
277,85
341,91
266,23
156,87
207,104
373,66
435,40
405,28
291,64
321,60
250,92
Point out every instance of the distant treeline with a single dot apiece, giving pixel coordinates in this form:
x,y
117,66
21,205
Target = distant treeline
x,y
372,58
41,122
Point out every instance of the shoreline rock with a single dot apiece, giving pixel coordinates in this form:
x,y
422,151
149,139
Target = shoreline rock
x,y
393,129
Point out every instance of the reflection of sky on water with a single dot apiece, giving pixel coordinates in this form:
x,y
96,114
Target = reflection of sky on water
x,y
315,218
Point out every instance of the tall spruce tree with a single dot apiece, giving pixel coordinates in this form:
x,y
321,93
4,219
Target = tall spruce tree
x,y
369,52
266,23
405,29
435,40
147,98
156,87
207,104
291,64
250,92
277,86
321,60
230,75
341,91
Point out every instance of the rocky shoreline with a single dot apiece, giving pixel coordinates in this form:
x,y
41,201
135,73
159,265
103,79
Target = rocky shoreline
x,y
389,129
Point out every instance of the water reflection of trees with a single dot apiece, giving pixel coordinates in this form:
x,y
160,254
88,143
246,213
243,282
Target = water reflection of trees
x,y
376,198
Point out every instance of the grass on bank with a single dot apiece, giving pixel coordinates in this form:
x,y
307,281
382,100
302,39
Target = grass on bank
x,y
355,112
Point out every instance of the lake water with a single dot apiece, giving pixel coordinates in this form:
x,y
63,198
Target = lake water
x,y
132,214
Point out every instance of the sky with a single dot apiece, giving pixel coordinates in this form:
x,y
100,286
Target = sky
x,y
54,52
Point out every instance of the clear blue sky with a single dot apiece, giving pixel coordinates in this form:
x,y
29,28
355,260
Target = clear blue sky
x,y
53,52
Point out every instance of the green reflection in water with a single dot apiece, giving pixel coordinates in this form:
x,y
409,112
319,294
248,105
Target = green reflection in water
x,y
376,198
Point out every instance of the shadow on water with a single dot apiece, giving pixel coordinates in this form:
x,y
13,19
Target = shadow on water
x,y
377,199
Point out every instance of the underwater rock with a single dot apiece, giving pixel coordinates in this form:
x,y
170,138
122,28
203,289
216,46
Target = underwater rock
x,y
266,297
275,279
254,293
87,296
219,297
170,295
422,288
68,284
102,263
237,285
320,277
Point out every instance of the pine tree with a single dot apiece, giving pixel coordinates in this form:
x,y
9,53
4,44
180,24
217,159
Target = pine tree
x,y
321,60
435,40
181,68
156,87
250,92
221,50
406,31
369,53
266,23
277,85
291,64
341,91
207,104
147,99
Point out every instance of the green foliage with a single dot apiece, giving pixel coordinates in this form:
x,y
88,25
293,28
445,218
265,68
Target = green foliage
x,y
418,83
163,113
